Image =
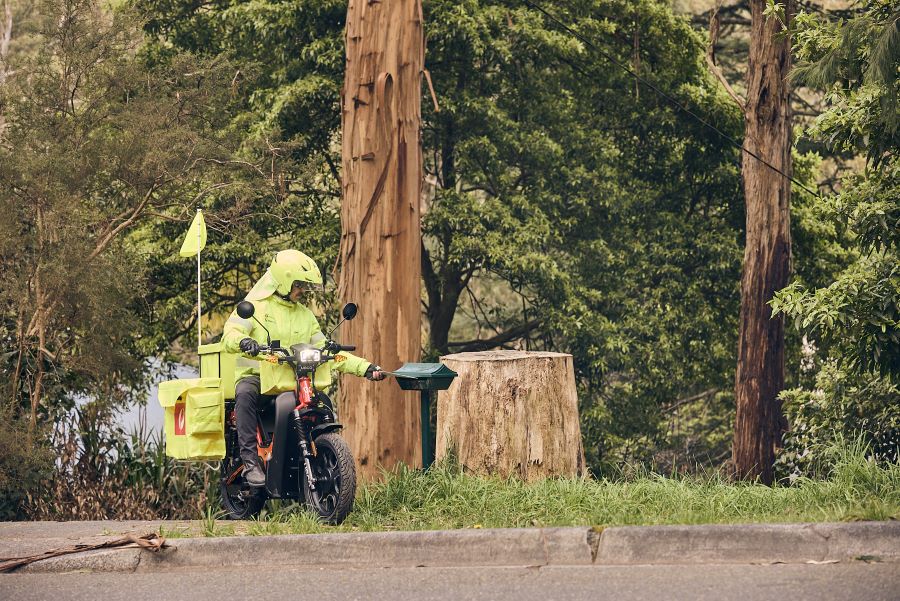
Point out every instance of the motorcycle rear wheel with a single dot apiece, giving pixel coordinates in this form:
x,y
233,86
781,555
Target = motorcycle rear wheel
x,y
335,472
241,505
239,501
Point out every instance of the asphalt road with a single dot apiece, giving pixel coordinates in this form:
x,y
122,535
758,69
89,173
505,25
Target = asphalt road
x,y
838,582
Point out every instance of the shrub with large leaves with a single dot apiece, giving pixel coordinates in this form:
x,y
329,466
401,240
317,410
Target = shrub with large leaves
x,y
852,324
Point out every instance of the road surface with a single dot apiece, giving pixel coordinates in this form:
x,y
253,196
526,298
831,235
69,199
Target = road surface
x,y
844,581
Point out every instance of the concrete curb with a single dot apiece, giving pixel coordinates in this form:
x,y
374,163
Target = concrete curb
x,y
632,545
490,547
748,543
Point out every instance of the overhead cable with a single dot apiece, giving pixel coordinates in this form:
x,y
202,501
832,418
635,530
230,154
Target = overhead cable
x,y
663,94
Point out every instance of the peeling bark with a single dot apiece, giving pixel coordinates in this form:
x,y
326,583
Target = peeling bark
x,y
381,235
767,255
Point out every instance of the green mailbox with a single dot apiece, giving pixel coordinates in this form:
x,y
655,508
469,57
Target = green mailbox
x,y
425,377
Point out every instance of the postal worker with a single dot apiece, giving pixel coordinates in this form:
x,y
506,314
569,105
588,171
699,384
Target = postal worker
x,y
279,299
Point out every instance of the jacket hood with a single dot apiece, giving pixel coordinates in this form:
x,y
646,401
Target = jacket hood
x,y
264,288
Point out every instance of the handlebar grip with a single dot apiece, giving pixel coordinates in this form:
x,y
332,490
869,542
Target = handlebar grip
x,y
347,347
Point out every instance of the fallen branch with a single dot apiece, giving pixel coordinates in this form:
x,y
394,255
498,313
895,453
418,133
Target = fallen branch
x,y
151,542
498,340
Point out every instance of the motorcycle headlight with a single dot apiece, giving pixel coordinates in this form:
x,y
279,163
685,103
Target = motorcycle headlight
x,y
310,355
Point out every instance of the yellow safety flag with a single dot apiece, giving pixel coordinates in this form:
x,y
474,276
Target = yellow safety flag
x,y
195,239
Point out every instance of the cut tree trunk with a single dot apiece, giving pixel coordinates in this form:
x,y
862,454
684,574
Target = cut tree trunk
x,y
511,413
381,238
767,255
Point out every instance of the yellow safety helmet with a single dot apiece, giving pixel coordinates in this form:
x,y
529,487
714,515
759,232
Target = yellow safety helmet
x,y
291,266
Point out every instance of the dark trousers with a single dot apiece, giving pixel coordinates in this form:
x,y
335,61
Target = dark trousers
x,y
247,400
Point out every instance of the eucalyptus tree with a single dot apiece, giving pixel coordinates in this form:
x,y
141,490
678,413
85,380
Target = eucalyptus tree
x,y
566,204
94,143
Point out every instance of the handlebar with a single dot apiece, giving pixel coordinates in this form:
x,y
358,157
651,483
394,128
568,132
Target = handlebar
x,y
273,350
272,354
283,355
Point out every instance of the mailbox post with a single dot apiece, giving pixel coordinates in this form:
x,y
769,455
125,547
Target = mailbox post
x,y
425,377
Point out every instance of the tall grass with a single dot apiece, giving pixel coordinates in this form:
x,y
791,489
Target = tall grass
x,y
444,498
100,472
106,474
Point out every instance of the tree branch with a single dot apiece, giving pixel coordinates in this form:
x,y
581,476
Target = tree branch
x,y
711,59
689,399
500,339
432,286
108,237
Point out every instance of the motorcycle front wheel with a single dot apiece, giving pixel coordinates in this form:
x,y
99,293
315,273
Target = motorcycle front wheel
x,y
335,486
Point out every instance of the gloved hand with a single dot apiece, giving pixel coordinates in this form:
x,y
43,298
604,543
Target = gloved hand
x,y
374,372
250,346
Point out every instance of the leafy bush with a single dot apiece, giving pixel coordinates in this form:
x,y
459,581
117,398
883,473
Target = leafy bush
x,y
854,321
102,473
24,464
841,407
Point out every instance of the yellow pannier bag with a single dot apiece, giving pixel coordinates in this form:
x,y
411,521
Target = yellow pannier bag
x,y
275,378
194,418
322,377
216,363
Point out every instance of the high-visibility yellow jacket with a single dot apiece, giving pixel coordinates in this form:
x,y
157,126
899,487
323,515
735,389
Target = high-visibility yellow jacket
x,y
290,323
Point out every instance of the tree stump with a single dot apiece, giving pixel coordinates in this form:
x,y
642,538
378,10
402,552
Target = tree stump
x,y
511,413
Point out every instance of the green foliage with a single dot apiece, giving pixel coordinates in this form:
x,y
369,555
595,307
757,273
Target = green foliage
x,y
25,461
851,324
97,141
857,317
575,210
567,207
443,497
286,61
94,142
855,61
840,407
857,314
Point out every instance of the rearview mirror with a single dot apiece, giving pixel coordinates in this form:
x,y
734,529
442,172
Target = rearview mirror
x,y
245,309
349,311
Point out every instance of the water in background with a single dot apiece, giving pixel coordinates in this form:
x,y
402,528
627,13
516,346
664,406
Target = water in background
x,y
150,415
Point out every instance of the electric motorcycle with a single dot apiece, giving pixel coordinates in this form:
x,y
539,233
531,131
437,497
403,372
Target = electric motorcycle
x,y
298,440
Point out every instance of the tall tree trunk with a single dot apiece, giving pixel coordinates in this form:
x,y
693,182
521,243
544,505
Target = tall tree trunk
x,y
381,233
6,26
760,368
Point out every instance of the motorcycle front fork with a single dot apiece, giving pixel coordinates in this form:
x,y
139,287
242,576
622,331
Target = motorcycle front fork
x,y
305,450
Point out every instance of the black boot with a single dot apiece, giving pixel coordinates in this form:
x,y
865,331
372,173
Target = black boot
x,y
246,397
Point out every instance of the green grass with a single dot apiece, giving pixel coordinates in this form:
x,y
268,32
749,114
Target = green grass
x,y
444,498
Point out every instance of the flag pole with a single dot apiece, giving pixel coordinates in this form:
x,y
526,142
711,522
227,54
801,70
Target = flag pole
x,y
199,342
